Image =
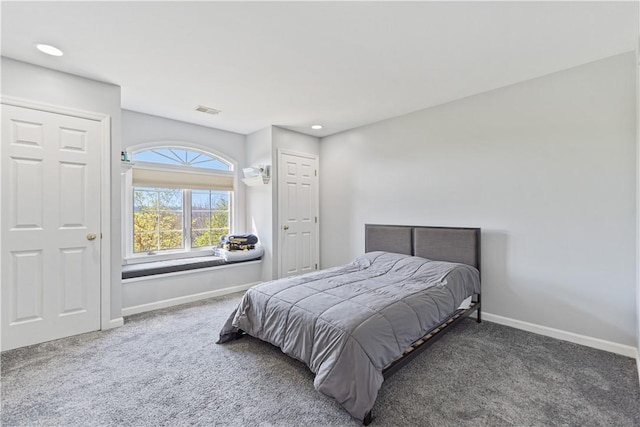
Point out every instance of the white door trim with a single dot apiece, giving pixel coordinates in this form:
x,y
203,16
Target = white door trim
x,y
278,234
105,192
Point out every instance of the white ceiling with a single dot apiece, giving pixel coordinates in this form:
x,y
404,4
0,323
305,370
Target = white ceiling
x,y
340,64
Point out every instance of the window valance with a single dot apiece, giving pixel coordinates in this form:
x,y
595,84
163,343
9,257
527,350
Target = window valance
x,y
145,176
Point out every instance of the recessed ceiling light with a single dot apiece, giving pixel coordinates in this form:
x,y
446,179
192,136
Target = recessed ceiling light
x,y
48,49
316,127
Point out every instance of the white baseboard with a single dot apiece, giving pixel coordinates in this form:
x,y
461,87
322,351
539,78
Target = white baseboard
x,y
624,350
115,323
128,311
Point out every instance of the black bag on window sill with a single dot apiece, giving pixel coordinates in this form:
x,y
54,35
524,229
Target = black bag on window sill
x,y
237,246
238,242
242,239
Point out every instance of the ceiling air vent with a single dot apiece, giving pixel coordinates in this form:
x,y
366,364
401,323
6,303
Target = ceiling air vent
x,y
207,110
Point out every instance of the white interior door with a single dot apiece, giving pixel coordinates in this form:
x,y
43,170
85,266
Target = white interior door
x,y
50,226
298,213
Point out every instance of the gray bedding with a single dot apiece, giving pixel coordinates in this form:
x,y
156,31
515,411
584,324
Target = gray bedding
x,y
348,323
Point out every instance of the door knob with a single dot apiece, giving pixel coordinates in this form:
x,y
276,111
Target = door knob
x,y
91,236
286,227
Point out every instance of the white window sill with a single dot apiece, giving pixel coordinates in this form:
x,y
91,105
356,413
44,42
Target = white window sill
x,y
167,256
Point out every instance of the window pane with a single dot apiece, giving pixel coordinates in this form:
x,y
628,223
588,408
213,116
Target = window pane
x,y
220,219
157,219
210,163
170,199
171,240
170,221
192,156
145,222
217,233
200,200
210,237
209,217
220,200
145,199
145,242
153,157
200,220
181,157
200,238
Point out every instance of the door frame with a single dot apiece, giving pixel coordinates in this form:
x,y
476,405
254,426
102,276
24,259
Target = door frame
x,y
278,225
105,192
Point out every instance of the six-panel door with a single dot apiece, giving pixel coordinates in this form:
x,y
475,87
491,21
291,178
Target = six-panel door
x,y
50,226
298,213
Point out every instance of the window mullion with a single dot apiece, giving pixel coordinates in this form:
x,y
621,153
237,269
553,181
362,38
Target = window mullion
x,y
158,246
186,226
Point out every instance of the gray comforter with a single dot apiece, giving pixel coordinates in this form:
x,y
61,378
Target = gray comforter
x,y
348,323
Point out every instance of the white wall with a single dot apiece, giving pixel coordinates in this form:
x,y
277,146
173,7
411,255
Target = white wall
x,y
153,292
284,139
262,201
138,128
260,198
44,85
546,167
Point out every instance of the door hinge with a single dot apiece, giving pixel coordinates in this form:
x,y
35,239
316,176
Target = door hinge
x,y
316,172
316,220
316,266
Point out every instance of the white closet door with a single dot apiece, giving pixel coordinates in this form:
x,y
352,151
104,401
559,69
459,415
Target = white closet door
x,y
298,213
50,226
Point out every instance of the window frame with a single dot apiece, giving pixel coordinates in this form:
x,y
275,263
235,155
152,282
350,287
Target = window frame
x,y
207,152
129,257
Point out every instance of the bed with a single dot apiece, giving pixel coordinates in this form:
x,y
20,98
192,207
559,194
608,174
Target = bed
x,y
357,324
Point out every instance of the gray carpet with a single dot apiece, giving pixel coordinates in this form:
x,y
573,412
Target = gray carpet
x,y
163,368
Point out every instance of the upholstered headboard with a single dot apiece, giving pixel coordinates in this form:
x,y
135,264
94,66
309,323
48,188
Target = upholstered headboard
x,y
453,244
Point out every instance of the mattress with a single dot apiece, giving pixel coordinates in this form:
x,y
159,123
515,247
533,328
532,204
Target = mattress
x,y
348,323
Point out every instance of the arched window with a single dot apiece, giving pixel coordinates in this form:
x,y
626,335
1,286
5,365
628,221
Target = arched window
x,y
182,200
182,157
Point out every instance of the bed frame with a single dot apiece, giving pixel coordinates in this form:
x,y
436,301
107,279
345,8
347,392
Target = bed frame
x,y
453,244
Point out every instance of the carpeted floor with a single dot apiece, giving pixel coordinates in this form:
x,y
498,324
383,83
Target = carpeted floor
x,y
163,369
